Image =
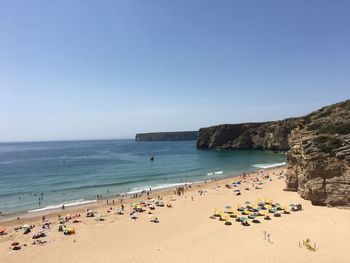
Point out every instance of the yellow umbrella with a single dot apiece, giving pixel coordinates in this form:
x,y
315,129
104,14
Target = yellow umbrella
x,y
264,213
224,218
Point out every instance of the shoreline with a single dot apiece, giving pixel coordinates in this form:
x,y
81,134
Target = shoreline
x,y
118,198
188,226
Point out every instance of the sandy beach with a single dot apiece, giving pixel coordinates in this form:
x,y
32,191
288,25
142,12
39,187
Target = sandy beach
x,y
186,233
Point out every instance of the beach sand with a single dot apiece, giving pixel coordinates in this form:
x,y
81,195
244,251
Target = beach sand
x,y
185,232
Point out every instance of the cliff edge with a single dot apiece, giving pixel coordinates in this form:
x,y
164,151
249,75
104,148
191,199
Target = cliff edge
x,y
260,136
319,158
318,144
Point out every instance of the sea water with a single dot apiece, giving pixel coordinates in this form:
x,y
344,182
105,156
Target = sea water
x,y
36,176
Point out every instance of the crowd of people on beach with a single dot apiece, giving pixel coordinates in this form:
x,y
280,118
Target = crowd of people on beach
x,y
265,209
64,223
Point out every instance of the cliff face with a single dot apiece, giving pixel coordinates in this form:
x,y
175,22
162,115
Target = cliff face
x,y
264,136
167,136
319,158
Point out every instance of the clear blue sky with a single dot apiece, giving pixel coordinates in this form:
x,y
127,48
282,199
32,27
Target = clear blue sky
x,y
109,69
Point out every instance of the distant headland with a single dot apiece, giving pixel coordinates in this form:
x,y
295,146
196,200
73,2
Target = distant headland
x,y
167,136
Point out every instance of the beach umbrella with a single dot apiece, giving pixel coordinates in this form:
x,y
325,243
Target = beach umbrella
x,y
223,217
71,230
247,202
25,226
268,201
228,207
245,212
15,244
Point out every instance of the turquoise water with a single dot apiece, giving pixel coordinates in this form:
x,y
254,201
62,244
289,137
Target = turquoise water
x,y
76,171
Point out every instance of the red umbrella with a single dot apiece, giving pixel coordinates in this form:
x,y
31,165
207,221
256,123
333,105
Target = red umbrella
x,y
14,244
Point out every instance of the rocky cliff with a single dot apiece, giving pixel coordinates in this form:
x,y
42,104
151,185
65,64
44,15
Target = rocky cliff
x,y
167,136
319,158
318,144
262,136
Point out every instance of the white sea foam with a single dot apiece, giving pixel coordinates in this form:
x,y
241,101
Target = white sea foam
x,y
268,165
136,190
215,173
66,204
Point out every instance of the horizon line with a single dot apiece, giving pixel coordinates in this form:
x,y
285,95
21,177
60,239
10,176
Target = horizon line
x,y
65,140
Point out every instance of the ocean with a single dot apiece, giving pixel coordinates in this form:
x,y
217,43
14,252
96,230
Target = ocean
x,y
37,176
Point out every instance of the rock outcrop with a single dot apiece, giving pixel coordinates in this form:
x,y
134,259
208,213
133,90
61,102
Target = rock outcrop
x,y
318,144
319,158
167,136
261,136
